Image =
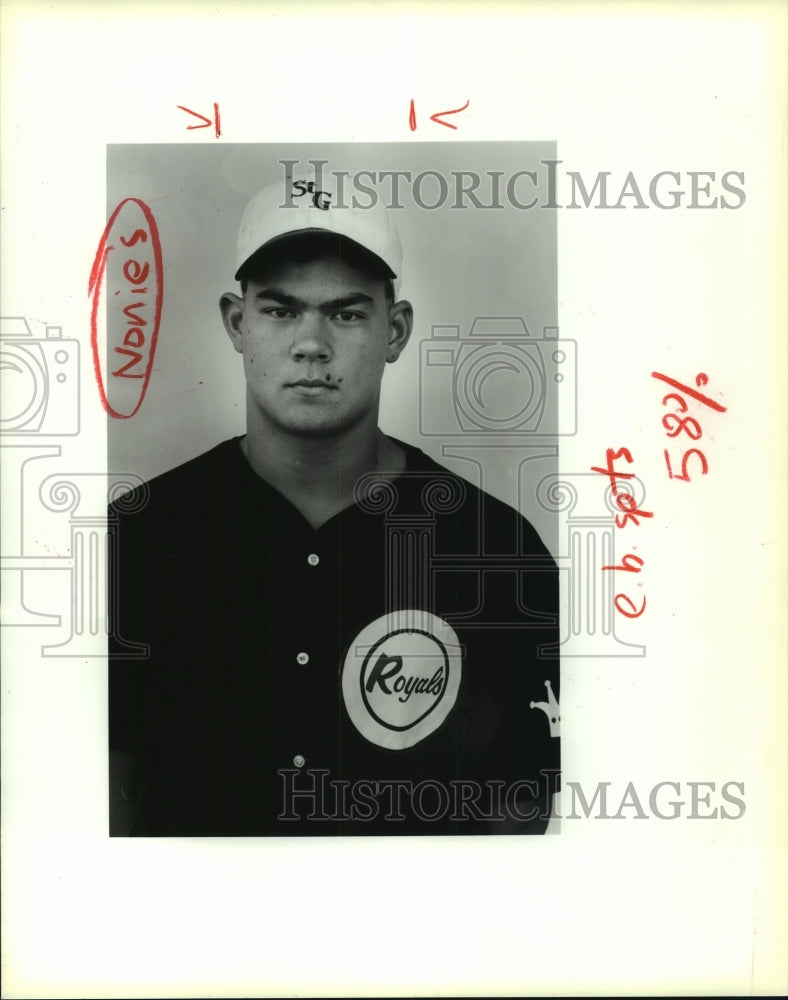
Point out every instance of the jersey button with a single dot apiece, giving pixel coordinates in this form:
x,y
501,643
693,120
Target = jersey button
x,y
313,559
302,658
298,760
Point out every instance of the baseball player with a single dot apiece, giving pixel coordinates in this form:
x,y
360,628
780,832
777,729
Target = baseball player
x,y
343,636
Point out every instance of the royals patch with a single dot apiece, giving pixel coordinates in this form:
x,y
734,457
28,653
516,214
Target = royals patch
x,y
400,678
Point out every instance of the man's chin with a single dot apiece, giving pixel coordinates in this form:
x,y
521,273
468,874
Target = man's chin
x,y
314,425
315,418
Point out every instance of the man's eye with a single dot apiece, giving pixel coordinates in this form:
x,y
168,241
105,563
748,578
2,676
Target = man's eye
x,y
347,317
278,312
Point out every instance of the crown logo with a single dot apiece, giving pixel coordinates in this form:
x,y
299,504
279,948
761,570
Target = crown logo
x,y
551,710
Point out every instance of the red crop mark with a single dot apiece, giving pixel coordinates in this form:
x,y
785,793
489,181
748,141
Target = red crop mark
x,y
437,117
135,344
216,121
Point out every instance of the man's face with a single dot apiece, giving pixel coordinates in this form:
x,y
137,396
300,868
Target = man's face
x,y
315,338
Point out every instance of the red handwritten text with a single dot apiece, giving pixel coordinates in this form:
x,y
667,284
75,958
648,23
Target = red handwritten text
x,y
630,512
437,117
676,424
128,267
216,121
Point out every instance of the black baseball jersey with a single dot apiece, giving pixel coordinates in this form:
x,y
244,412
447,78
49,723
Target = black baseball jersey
x,y
392,671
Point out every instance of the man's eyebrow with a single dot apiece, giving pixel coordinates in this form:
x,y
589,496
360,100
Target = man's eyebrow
x,y
332,305
282,297
354,299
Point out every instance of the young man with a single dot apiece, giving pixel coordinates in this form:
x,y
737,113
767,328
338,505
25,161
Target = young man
x,y
344,637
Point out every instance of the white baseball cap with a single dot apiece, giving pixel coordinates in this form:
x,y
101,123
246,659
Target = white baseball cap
x,y
290,208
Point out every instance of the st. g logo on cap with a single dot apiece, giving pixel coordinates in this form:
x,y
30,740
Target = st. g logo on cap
x,y
320,199
400,678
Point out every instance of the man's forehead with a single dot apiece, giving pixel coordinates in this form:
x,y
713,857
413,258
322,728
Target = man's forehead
x,y
316,298
324,276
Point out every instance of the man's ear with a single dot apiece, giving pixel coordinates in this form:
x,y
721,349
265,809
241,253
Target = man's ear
x,y
400,326
232,309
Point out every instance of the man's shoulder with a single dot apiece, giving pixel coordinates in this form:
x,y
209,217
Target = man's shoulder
x,y
447,494
190,480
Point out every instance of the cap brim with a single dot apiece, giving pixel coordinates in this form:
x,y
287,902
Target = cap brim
x,y
296,234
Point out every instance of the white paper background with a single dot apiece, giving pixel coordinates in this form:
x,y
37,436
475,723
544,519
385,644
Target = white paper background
x,y
628,906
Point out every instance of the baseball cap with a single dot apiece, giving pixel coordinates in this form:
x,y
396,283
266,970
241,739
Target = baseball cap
x,y
293,207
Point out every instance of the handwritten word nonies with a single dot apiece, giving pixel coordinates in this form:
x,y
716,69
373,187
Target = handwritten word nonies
x,y
128,275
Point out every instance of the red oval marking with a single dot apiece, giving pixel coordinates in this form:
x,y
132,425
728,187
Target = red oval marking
x,y
131,250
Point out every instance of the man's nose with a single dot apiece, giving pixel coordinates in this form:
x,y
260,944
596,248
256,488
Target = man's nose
x,y
312,340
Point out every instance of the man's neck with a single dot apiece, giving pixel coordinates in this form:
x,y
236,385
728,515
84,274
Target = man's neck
x,y
319,475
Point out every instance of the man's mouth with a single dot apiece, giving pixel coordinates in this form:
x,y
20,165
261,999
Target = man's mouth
x,y
312,386
314,383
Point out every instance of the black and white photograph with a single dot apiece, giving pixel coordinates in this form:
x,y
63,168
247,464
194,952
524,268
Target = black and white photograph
x,y
392,448
321,628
